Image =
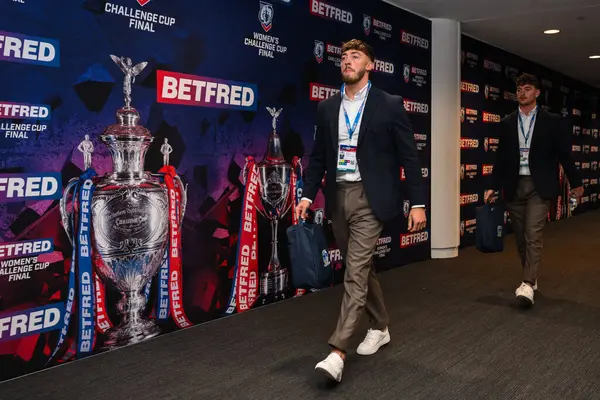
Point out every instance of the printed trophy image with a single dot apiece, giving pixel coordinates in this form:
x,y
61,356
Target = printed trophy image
x,y
274,188
130,218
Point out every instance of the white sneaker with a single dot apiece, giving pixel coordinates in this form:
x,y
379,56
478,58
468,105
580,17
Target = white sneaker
x,y
332,366
373,341
525,294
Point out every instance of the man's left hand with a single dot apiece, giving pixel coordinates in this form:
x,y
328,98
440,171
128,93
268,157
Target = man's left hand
x,y
578,192
417,220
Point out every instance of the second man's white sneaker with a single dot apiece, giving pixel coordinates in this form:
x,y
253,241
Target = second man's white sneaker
x,y
525,295
332,366
373,341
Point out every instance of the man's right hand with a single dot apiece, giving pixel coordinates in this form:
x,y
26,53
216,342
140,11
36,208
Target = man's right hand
x,y
301,209
488,196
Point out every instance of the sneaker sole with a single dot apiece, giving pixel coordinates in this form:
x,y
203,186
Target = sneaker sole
x,y
328,374
383,343
524,301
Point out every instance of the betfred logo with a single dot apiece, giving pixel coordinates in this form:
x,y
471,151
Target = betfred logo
x,y
576,148
320,92
469,143
30,186
412,106
191,90
469,199
585,165
385,67
594,149
24,111
424,173
594,181
418,75
324,10
33,321
491,144
468,170
421,141
413,239
487,169
492,66
413,40
469,87
20,111
333,49
510,96
468,225
489,117
470,114
16,47
379,28
492,92
586,182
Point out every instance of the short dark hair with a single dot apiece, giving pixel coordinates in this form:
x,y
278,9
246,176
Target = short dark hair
x,y
528,79
356,44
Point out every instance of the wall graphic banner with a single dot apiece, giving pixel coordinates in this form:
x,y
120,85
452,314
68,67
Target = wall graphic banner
x,y
488,94
149,163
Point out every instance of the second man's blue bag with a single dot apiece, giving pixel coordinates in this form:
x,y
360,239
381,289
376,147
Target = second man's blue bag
x,y
309,257
489,234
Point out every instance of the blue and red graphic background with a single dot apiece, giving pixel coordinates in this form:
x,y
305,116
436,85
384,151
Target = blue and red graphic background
x,y
488,87
64,64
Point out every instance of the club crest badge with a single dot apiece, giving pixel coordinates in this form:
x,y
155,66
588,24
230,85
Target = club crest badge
x,y
265,15
367,24
318,51
406,73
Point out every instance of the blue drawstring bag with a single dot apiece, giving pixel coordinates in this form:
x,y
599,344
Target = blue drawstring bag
x,y
309,258
490,228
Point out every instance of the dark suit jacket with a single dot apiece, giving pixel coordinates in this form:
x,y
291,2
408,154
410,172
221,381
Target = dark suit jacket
x,y
550,145
385,141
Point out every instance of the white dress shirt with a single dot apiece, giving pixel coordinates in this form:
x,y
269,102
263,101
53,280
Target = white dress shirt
x,y
352,107
526,118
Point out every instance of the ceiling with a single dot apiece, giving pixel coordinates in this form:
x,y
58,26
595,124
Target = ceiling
x,y
517,26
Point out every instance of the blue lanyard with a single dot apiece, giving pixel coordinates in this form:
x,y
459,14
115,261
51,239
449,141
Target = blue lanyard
x,y
352,129
526,136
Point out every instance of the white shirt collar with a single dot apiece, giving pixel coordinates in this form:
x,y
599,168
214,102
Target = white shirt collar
x,y
361,94
531,113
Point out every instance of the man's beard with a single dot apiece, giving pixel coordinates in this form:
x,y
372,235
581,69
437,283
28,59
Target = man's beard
x,y
352,79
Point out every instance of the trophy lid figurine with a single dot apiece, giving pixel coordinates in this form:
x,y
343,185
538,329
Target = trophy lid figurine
x,y
274,154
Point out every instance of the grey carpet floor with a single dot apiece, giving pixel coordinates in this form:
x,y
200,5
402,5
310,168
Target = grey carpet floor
x,y
456,330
